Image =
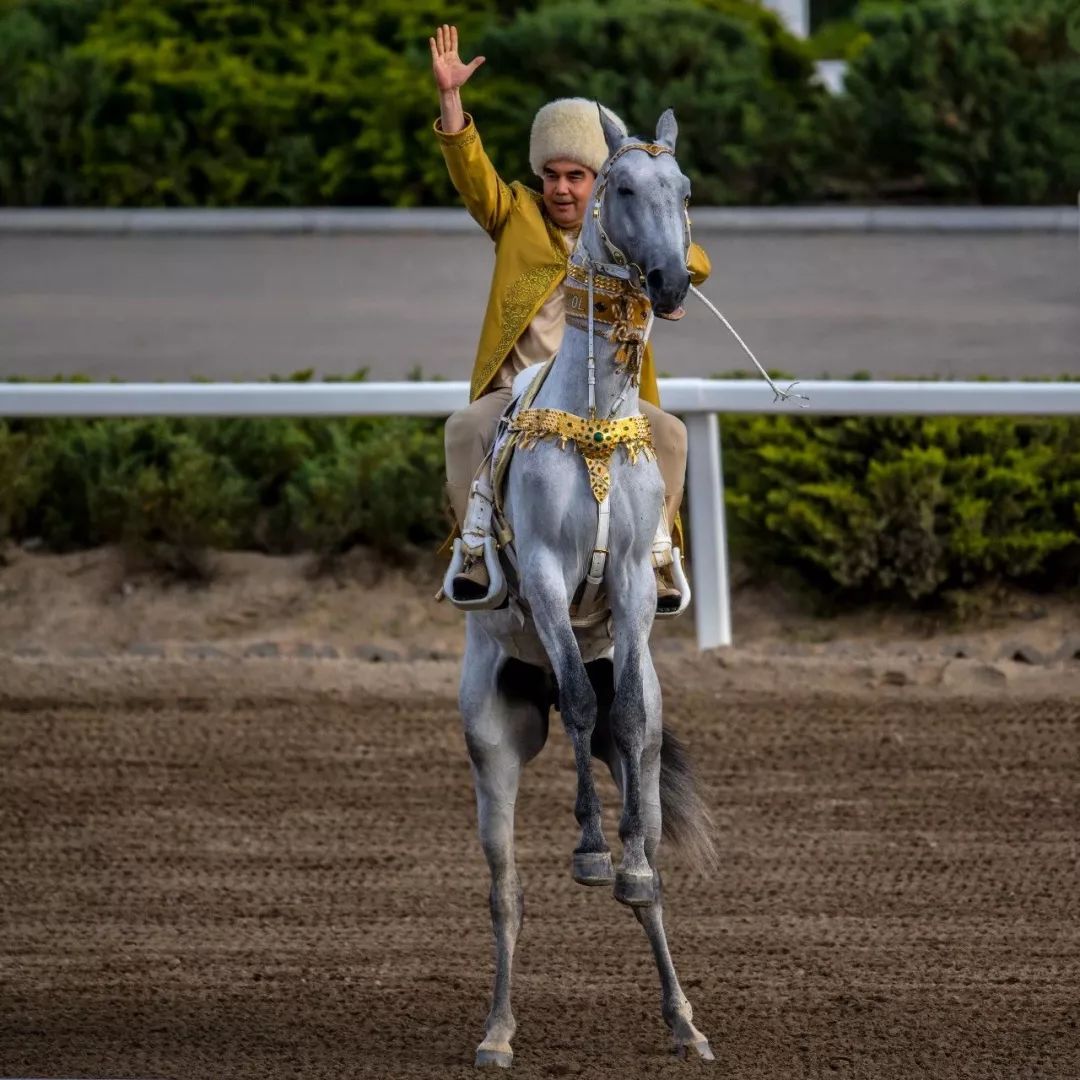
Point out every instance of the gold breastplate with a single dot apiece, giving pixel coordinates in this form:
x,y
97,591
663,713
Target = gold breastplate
x,y
596,440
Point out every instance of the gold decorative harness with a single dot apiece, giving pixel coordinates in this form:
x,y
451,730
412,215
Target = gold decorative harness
x,y
596,440
625,316
622,312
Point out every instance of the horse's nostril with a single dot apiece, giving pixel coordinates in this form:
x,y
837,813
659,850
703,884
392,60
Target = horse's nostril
x,y
655,278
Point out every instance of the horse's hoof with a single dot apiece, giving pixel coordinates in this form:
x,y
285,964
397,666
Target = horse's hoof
x,y
635,890
701,1046
593,868
502,1059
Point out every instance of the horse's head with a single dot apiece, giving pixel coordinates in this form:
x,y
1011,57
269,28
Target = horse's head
x,y
639,205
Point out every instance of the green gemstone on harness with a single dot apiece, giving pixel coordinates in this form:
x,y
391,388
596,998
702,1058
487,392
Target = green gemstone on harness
x,y
599,436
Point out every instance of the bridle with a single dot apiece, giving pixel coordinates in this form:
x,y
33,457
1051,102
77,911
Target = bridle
x,y
622,270
620,266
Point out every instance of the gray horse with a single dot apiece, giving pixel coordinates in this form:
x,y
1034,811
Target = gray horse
x,y
523,659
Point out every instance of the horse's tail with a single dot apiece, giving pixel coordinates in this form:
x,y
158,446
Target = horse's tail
x,y
687,822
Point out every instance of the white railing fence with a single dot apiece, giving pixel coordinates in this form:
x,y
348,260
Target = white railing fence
x,y
696,400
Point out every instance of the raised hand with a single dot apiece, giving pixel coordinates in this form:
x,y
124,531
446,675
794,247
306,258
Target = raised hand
x,y
450,73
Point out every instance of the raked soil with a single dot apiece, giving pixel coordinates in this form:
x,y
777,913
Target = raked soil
x,y
268,868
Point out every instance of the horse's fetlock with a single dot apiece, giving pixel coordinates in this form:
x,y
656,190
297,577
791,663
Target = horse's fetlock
x,y
501,1026
679,1016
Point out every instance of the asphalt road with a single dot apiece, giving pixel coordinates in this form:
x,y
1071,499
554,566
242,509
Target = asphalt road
x,y
247,307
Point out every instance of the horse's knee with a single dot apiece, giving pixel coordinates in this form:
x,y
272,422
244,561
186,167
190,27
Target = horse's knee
x,y
577,705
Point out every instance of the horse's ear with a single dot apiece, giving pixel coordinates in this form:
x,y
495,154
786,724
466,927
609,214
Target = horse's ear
x,y
612,135
667,130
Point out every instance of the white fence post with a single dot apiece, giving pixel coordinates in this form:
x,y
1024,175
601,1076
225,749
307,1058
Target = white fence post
x,y
710,581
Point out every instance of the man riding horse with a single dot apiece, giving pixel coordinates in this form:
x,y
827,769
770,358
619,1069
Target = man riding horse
x,y
534,236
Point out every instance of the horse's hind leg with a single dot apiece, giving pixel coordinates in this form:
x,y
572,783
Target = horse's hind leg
x,y
505,708
677,1011
543,584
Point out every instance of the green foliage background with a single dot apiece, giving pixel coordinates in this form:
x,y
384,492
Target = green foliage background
x,y
276,103
900,509
964,101
906,508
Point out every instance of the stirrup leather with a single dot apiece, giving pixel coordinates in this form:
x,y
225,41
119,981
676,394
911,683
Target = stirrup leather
x,y
476,542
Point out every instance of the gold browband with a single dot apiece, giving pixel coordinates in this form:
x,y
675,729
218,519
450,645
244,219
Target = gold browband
x,y
596,440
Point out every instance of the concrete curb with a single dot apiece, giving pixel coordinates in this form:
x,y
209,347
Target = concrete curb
x,y
428,221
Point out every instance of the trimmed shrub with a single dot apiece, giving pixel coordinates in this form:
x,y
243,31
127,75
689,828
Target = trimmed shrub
x,y
905,508
973,101
374,482
739,83
896,509
171,490
200,103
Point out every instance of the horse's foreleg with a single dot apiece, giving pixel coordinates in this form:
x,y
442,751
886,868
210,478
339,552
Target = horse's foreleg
x,y
546,592
636,734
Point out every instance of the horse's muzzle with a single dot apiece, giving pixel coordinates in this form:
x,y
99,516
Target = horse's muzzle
x,y
667,289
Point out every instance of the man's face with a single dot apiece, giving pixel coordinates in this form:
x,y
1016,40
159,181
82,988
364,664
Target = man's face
x,y
566,192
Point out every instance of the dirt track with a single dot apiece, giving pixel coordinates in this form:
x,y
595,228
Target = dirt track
x,y
269,869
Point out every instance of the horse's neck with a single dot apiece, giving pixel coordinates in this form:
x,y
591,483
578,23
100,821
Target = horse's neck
x,y
567,384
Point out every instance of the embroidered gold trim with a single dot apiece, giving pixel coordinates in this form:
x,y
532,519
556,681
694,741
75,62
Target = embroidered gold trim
x,y
461,138
521,300
596,440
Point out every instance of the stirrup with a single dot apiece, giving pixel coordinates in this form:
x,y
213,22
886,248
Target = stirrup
x,y
496,593
683,586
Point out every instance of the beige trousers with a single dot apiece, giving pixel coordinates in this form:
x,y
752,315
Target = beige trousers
x,y
471,431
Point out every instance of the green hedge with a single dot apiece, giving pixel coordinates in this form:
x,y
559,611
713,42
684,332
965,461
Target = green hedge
x,y
174,488
963,101
905,508
900,509
740,86
217,103
200,103
211,103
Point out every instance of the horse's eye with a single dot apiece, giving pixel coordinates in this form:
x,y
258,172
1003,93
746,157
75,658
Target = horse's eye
x,y
626,191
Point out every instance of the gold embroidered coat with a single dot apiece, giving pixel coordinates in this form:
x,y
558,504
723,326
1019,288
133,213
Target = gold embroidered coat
x,y
530,257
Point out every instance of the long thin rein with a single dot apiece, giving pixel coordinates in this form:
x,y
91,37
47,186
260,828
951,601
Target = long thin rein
x,y
781,395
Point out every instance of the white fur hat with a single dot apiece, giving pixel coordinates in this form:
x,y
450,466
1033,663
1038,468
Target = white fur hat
x,y
569,128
